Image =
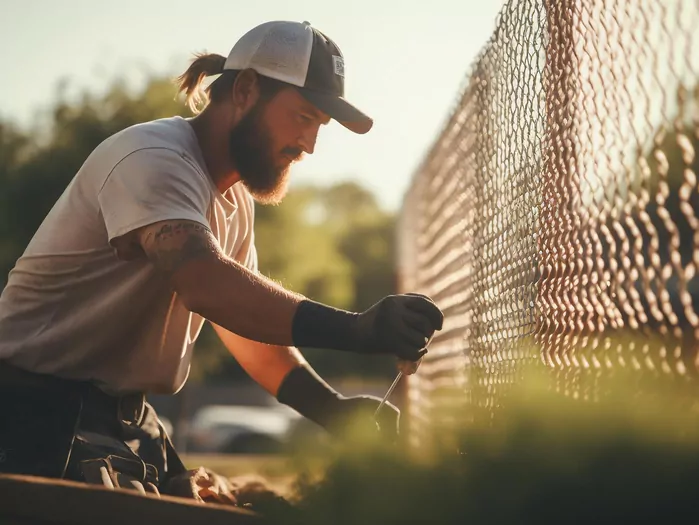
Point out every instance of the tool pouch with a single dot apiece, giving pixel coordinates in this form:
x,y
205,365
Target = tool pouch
x,y
118,472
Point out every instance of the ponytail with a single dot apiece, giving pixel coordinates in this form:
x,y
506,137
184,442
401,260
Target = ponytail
x,y
189,82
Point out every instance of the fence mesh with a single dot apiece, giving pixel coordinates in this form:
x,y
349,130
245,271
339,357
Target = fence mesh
x,y
555,219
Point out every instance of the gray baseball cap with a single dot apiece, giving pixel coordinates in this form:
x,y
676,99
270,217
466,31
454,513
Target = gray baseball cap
x,y
300,55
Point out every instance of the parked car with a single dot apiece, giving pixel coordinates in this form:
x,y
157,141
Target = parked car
x,y
235,429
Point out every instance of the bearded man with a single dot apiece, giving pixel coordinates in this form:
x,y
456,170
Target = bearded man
x,y
154,236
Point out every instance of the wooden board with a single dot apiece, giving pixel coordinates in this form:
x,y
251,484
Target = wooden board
x,y
30,500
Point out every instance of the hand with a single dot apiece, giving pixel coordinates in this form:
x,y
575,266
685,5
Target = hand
x,y
399,324
348,418
408,368
354,416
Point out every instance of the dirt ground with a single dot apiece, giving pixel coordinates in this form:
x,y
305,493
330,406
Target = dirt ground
x,y
279,471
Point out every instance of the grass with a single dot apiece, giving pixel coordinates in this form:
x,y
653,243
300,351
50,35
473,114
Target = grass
x,y
629,454
541,458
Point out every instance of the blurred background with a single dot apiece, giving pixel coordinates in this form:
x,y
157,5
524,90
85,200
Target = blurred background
x,y
75,72
533,168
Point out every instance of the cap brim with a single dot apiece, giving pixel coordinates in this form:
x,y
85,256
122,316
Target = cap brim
x,y
339,109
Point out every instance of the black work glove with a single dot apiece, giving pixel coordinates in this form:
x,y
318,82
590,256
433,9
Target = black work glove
x,y
343,417
397,324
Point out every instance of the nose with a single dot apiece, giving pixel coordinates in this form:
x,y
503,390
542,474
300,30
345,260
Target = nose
x,y
307,140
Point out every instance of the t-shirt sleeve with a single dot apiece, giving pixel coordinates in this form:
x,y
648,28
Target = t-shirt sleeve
x,y
152,185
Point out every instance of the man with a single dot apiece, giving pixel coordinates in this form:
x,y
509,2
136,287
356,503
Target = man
x,y
154,236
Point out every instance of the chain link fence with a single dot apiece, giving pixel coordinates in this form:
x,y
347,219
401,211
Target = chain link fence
x,y
555,218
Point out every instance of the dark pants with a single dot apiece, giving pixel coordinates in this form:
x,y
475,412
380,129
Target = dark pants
x,y
59,428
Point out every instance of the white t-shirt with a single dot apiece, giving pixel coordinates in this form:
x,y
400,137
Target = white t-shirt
x,y
75,308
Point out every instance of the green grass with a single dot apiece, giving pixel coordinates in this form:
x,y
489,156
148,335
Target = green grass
x,y
632,457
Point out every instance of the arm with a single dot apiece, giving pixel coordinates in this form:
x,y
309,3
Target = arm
x,y
217,287
254,307
284,373
268,365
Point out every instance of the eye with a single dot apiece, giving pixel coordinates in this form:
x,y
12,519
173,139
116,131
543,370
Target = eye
x,y
303,117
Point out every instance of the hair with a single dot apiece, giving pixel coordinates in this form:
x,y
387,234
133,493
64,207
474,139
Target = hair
x,y
209,64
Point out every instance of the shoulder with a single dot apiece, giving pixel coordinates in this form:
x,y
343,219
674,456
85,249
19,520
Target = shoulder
x,y
173,133
155,152
155,142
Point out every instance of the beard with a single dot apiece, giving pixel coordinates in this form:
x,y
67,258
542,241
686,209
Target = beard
x,y
252,154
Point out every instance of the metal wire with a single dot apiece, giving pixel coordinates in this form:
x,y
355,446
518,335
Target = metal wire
x,y
555,219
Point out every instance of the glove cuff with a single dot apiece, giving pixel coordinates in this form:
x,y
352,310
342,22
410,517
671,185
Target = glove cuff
x,y
306,392
316,325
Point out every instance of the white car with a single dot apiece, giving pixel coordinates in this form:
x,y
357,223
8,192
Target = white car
x,y
241,429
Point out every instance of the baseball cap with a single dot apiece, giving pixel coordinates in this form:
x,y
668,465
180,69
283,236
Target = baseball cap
x,y
300,55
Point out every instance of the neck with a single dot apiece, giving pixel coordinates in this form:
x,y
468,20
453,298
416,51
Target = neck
x,y
213,141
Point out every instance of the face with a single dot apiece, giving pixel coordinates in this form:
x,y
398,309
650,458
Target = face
x,y
269,138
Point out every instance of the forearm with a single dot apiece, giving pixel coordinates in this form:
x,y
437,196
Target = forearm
x,y
257,308
267,365
227,293
243,302
284,373
217,287
248,304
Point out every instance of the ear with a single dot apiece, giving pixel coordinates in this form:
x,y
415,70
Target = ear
x,y
246,90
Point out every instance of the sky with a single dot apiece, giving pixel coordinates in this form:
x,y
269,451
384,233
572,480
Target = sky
x,y
404,65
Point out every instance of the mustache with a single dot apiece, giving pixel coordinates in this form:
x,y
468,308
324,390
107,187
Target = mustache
x,y
294,153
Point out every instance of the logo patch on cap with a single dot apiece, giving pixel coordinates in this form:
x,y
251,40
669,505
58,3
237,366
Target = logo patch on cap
x,y
339,65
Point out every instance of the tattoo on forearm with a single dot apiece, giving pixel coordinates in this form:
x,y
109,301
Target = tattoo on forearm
x,y
174,244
